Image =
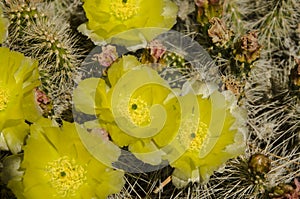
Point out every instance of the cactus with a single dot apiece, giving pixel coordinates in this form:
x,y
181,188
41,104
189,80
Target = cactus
x,y
274,19
255,47
38,32
66,8
233,16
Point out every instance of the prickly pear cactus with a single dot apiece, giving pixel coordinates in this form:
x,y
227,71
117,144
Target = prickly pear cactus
x,y
251,58
37,30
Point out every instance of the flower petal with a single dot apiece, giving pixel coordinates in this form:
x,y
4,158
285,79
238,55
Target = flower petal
x,y
85,93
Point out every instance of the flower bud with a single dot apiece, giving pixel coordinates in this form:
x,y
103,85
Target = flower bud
x,y
249,48
259,164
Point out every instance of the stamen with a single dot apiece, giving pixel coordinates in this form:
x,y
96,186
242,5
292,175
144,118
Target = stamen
x,y
65,176
192,136
198,138
139,111
124,9
4,98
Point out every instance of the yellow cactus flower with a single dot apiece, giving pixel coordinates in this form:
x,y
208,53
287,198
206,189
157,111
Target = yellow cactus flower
x,y
140,113
107,19
220,136
18,78
57,165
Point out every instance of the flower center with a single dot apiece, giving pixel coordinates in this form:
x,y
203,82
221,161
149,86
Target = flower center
x,y
192,136
65,176
124,9
198,138
4,98
139,111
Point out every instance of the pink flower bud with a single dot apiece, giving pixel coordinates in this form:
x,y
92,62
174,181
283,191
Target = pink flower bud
x,y
107,56
157,50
